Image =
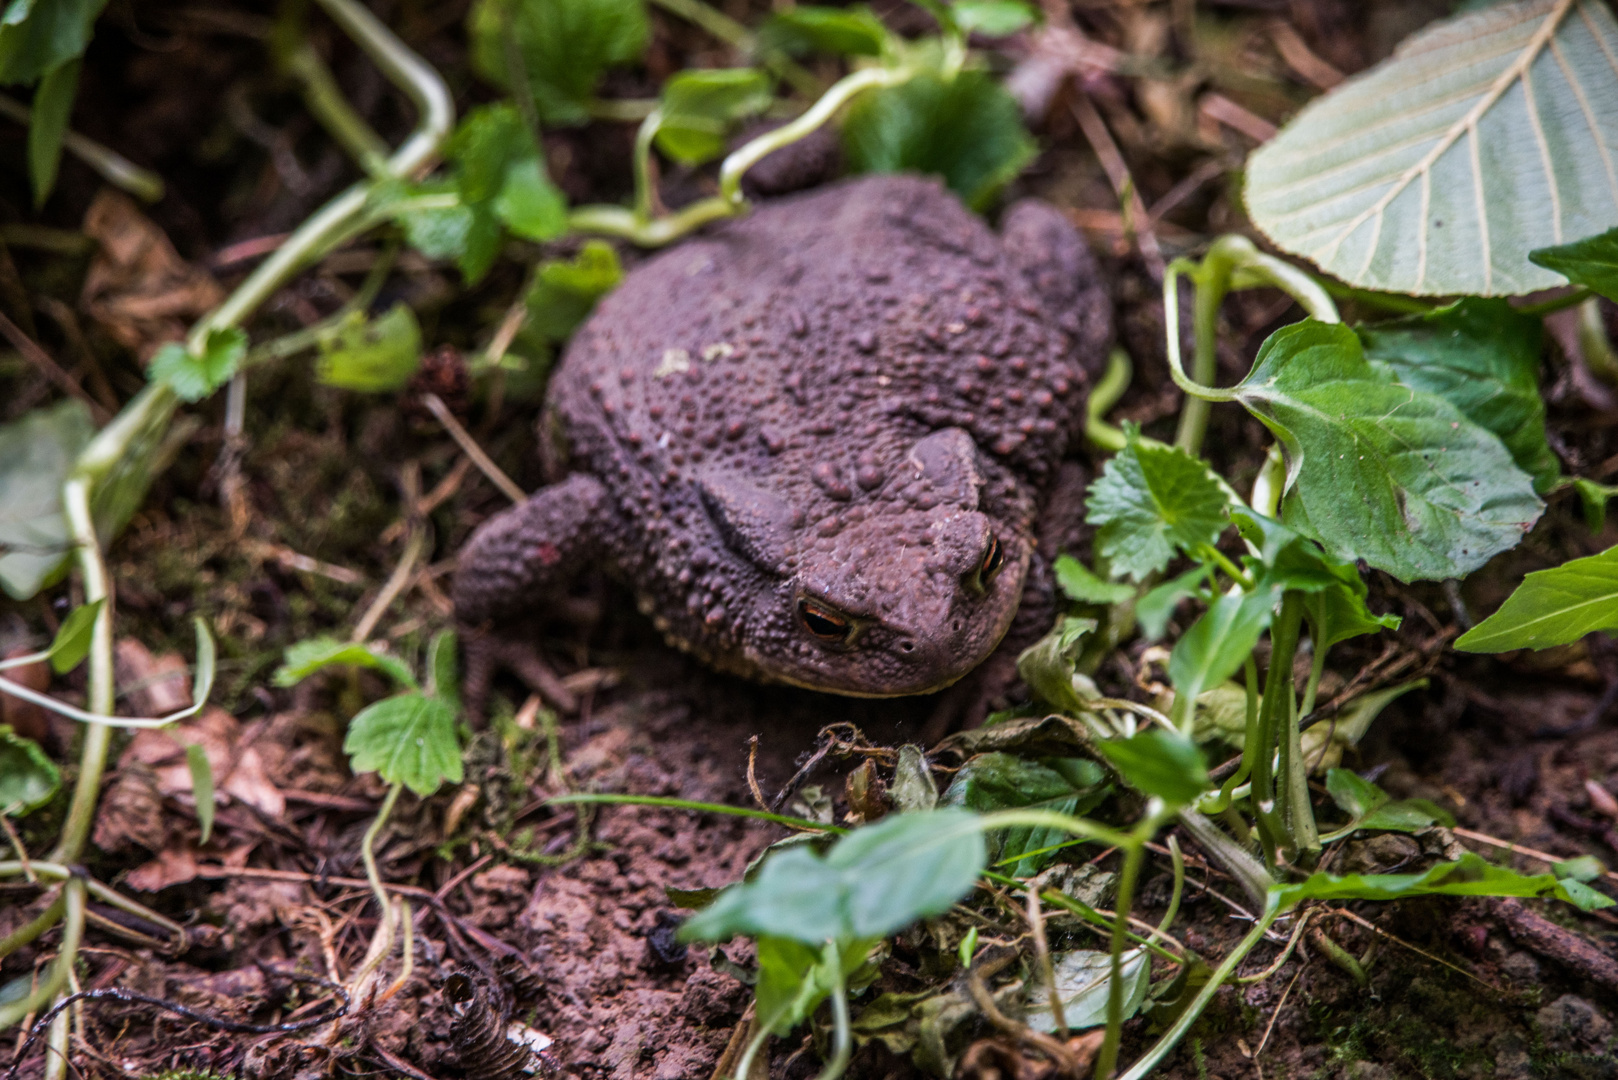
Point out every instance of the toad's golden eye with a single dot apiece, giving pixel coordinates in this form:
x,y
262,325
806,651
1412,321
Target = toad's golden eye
x,y
823,622
993,558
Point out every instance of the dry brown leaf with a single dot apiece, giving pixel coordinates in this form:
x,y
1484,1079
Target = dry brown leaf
x,y
138,287
238,771
174,865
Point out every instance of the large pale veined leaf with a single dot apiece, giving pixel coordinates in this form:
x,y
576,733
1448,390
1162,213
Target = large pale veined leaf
x,y
1436,172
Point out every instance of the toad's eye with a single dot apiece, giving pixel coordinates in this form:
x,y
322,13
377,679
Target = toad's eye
x,y
993,558
823,622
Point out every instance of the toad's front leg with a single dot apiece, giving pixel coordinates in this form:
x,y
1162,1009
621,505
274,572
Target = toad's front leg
x,y
517,568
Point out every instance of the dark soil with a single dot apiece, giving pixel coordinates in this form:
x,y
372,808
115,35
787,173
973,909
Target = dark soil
x,y
568,917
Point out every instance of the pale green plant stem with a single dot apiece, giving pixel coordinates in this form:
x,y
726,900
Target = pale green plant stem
x,y
368,848
1599,355
1212,282
62,708
1103,396
645,200
738,36
323,98
31,930
67,954
114,168
842,1036
1177,864
1128,874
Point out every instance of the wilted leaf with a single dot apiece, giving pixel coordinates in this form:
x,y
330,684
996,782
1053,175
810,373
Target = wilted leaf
x,y
1083,982
373,355
1047,665
1482,357
913,789
36,454
1552,607
1151,501
1591,262
1436,172
304,658
28,779
968,130
1379,471
998,781
699,107
194,377
1161,763
407,739
565,47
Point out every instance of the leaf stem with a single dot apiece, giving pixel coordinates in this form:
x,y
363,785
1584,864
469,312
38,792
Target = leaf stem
x,y
367,847
1103,396
842,1034
114,168
67,954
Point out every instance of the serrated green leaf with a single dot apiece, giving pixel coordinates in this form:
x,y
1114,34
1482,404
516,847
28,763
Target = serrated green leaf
x,y
1380,471
564,292
968,130
992,18
699,107
1150,502
806,28
196,761
996,781
371,356
1482,357
1077,581
1219,643
304,658
1552,607
28,779
1470,875
53,106
193,377
36,454
1161,763
874,881
39,36
406,739
1440,169
1591,262
72,642
531,206
565,47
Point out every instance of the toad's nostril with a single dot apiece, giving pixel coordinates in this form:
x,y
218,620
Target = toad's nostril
x,y
956,626
906,645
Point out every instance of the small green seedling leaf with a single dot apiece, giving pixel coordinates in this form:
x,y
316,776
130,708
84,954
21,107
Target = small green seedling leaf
x,y
1470,875
699,108
566,47
1585,868
1552,607
196,760
992,18
28,779
1591,262
1154,610
873,882
1380,471
806,28
406,739
207,659
1081,585
529,203
968,130
1161,763
36,454
564,292
968,947
996,781
305,658
72,642
1151,501
194,377
53,106
1083,983
1481,356
1369,807
371,356
1219,643
443,669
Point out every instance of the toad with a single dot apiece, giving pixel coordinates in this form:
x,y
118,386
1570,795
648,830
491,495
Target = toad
x,y
814,441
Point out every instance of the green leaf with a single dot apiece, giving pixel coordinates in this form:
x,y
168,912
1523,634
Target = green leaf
x,y
1334,592
876,880
565,292
443,668
1083,983
53,107
196,760
304,658
407,739
1470,875
1439,170
699,108
28,779
1591,262
1161,763
794,978
992,18
1482,357
193,377
1047,665
72,641
1593,499
1552,607
1154,610
39,36
968,130
120,462
996,781
202,684
371,356
1219,643
531,206
1151,501
1379,471
565,47
1339,613
806,28
36,454
1083,586
913,789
